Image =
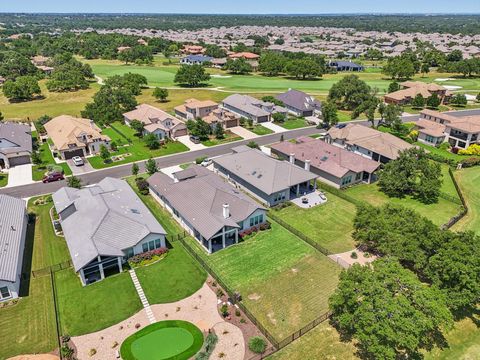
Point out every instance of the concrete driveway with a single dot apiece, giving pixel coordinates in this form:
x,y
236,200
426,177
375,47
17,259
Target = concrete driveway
x,y
20,175
79,170
244,133
274,127
185,140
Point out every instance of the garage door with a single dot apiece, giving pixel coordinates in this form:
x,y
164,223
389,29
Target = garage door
x,y
180,132
72,153
19,160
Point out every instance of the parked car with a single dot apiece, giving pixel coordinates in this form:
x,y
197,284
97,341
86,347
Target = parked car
x,y
206,162
340,126
51,177
78,161
195,139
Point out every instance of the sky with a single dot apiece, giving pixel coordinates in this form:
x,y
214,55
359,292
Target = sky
x,y
242,6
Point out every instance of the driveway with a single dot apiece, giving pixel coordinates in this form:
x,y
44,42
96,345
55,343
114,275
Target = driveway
x,y
185,140
170,170
79,170
244,133
20,175
274,127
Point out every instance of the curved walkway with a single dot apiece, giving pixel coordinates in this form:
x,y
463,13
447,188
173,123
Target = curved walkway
x,y
199,309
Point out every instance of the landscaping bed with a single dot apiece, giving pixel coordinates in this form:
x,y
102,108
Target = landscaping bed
x,y
3,179
38,171
228,137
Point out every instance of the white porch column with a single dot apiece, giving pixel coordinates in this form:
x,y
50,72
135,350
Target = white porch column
x,y
120,267
82,277
298,189
223,237
236,236
210,246
315,185
100,267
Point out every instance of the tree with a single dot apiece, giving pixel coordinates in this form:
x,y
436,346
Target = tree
x,y
418,102
425,69
279,117
215,51
271,63
160,94
433,102
388,311
13,65
135,169
394,86
191,75
459,100
454,56
252,144
399,67
151,141
74,182
219,132
303,68
329,114
151,166
1,116
392,116
22,89
273,100
350,92
36,158
138,126
199,128
129,81
238,66
104,153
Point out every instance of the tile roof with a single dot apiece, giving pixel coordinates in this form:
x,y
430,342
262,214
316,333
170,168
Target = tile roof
x,y
153,118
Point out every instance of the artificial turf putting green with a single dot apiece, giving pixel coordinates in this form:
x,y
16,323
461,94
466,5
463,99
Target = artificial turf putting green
x,y
165,340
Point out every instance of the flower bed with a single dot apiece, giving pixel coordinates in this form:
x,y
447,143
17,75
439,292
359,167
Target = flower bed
x,y
148,257
253,230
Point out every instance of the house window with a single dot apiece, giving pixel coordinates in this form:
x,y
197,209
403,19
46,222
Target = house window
x,y
358,176
255,220
279,196
145,247
151,245
346,180
430,139
4,292
129,253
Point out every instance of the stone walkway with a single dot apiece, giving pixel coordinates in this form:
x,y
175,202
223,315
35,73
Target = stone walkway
x,y
143,298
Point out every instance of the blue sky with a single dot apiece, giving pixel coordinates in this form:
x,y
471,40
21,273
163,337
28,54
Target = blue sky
x,y
243,6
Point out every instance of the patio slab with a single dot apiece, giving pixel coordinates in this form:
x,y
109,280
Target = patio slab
x,y
314,199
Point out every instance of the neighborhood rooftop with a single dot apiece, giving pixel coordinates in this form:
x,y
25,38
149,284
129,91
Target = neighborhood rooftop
x,y
102,220
18,134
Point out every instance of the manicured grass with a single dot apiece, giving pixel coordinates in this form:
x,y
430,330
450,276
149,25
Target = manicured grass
x,y
3,179
38,171
229,137
284,282
291,124
330,224
469,180
444,153
259,130
438,213
448,187
171,339
137,149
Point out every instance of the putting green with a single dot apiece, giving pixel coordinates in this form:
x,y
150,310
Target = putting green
x,y
165,340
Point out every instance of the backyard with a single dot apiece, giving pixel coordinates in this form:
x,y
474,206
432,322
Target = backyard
x,y
469,180
132,148
330,224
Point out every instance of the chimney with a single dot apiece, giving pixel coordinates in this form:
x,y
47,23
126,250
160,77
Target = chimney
x,y
226,211
292,158
92,124
307,165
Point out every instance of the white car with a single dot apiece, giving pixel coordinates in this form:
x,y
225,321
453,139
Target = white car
x,y
206,162
78,161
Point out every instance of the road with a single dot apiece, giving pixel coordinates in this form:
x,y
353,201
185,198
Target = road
x,y
120,171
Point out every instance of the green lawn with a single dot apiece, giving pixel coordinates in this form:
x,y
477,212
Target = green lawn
x,y
469,180
330,224
259,130
229,137
438,213
284,282
295,123
38,171
3,179
448,187
136,150
444,153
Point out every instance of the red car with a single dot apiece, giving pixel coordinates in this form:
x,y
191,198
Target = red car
x,y
53,177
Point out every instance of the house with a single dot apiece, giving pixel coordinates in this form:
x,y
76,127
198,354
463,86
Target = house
x,y
210,209
15,144
73,136
345,66
270,180
219,63
410,89
459,131
196,60
251,108
368,142
335,166
13,231
104,225
244,55
156,121
300,103
193,49
208,111
40,60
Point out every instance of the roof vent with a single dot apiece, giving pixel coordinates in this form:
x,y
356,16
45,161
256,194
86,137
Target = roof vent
x,y
12,228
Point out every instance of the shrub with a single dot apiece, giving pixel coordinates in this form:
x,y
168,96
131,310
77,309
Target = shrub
x,y
257,345
354,255
65,338
149,255
265,226
224,310
67,352
137,326
199,160
142,186
92,352
238,313
219,293
473,149
470,162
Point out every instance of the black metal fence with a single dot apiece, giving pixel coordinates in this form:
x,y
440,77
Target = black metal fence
x,y
463,210
128,140
51,269
340,193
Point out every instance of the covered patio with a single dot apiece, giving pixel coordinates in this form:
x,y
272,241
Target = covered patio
x,y
221,240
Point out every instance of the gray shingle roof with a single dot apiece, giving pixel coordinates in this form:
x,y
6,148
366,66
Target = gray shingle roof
x,y
12,222
19,134
262,171
299,100
107,219
200,200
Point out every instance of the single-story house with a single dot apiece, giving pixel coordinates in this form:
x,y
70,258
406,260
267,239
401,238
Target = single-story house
x,y
73,136
15,144
368,142
104,225
270,180
335,166
300,103
156,121
196,60
410,89
346,66
210,209
193,49
13,231
460,131
244,55
251,108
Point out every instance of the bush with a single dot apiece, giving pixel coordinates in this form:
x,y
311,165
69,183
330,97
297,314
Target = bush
x,y
354,255
199,160
224,310
142,186
257,345
473,149
149,255
470,162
